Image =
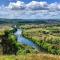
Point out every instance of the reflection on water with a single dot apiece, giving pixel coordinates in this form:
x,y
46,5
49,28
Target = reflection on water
x,y
23,40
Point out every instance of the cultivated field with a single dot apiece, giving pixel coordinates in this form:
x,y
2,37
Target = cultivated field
x,y
45,36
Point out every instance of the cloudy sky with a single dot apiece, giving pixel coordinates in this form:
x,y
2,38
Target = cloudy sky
x,y
30,9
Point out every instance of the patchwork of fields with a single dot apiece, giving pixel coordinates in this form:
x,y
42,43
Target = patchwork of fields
x,y
45,36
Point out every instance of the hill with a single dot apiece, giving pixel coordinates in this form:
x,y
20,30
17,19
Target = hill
x,y
48,21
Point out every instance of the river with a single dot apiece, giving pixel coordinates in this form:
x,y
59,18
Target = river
x,y
28,42
24,40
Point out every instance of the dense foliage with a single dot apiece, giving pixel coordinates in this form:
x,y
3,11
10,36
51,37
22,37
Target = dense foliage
x,y
9,42
10,45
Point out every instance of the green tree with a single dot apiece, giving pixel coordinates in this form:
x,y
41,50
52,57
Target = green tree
x,y
9,42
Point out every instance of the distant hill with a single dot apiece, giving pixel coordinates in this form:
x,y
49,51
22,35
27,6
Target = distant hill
x,y
29,21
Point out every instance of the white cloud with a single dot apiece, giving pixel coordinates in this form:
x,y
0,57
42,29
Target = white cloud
x,y
32,10
17,5
54,6
34,5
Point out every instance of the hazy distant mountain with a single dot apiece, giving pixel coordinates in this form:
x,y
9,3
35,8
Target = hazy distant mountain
x,y
2,20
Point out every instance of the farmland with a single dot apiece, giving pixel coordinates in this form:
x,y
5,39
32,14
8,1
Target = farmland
x,y
45,36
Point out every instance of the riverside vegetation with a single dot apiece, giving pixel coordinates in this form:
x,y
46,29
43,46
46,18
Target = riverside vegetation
x,y
46,36
10,45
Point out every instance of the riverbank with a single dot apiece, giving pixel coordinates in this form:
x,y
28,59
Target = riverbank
x,y
23,40
38,45
11,44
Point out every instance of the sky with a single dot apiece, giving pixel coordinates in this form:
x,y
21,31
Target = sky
x,y
26,1
30,9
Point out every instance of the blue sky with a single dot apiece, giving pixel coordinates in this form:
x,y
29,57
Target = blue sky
x,y
26,1
30,9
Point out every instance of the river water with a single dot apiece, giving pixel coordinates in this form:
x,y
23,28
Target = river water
x,y
24,40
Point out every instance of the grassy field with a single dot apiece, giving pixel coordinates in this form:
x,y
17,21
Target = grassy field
x,y
30,57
